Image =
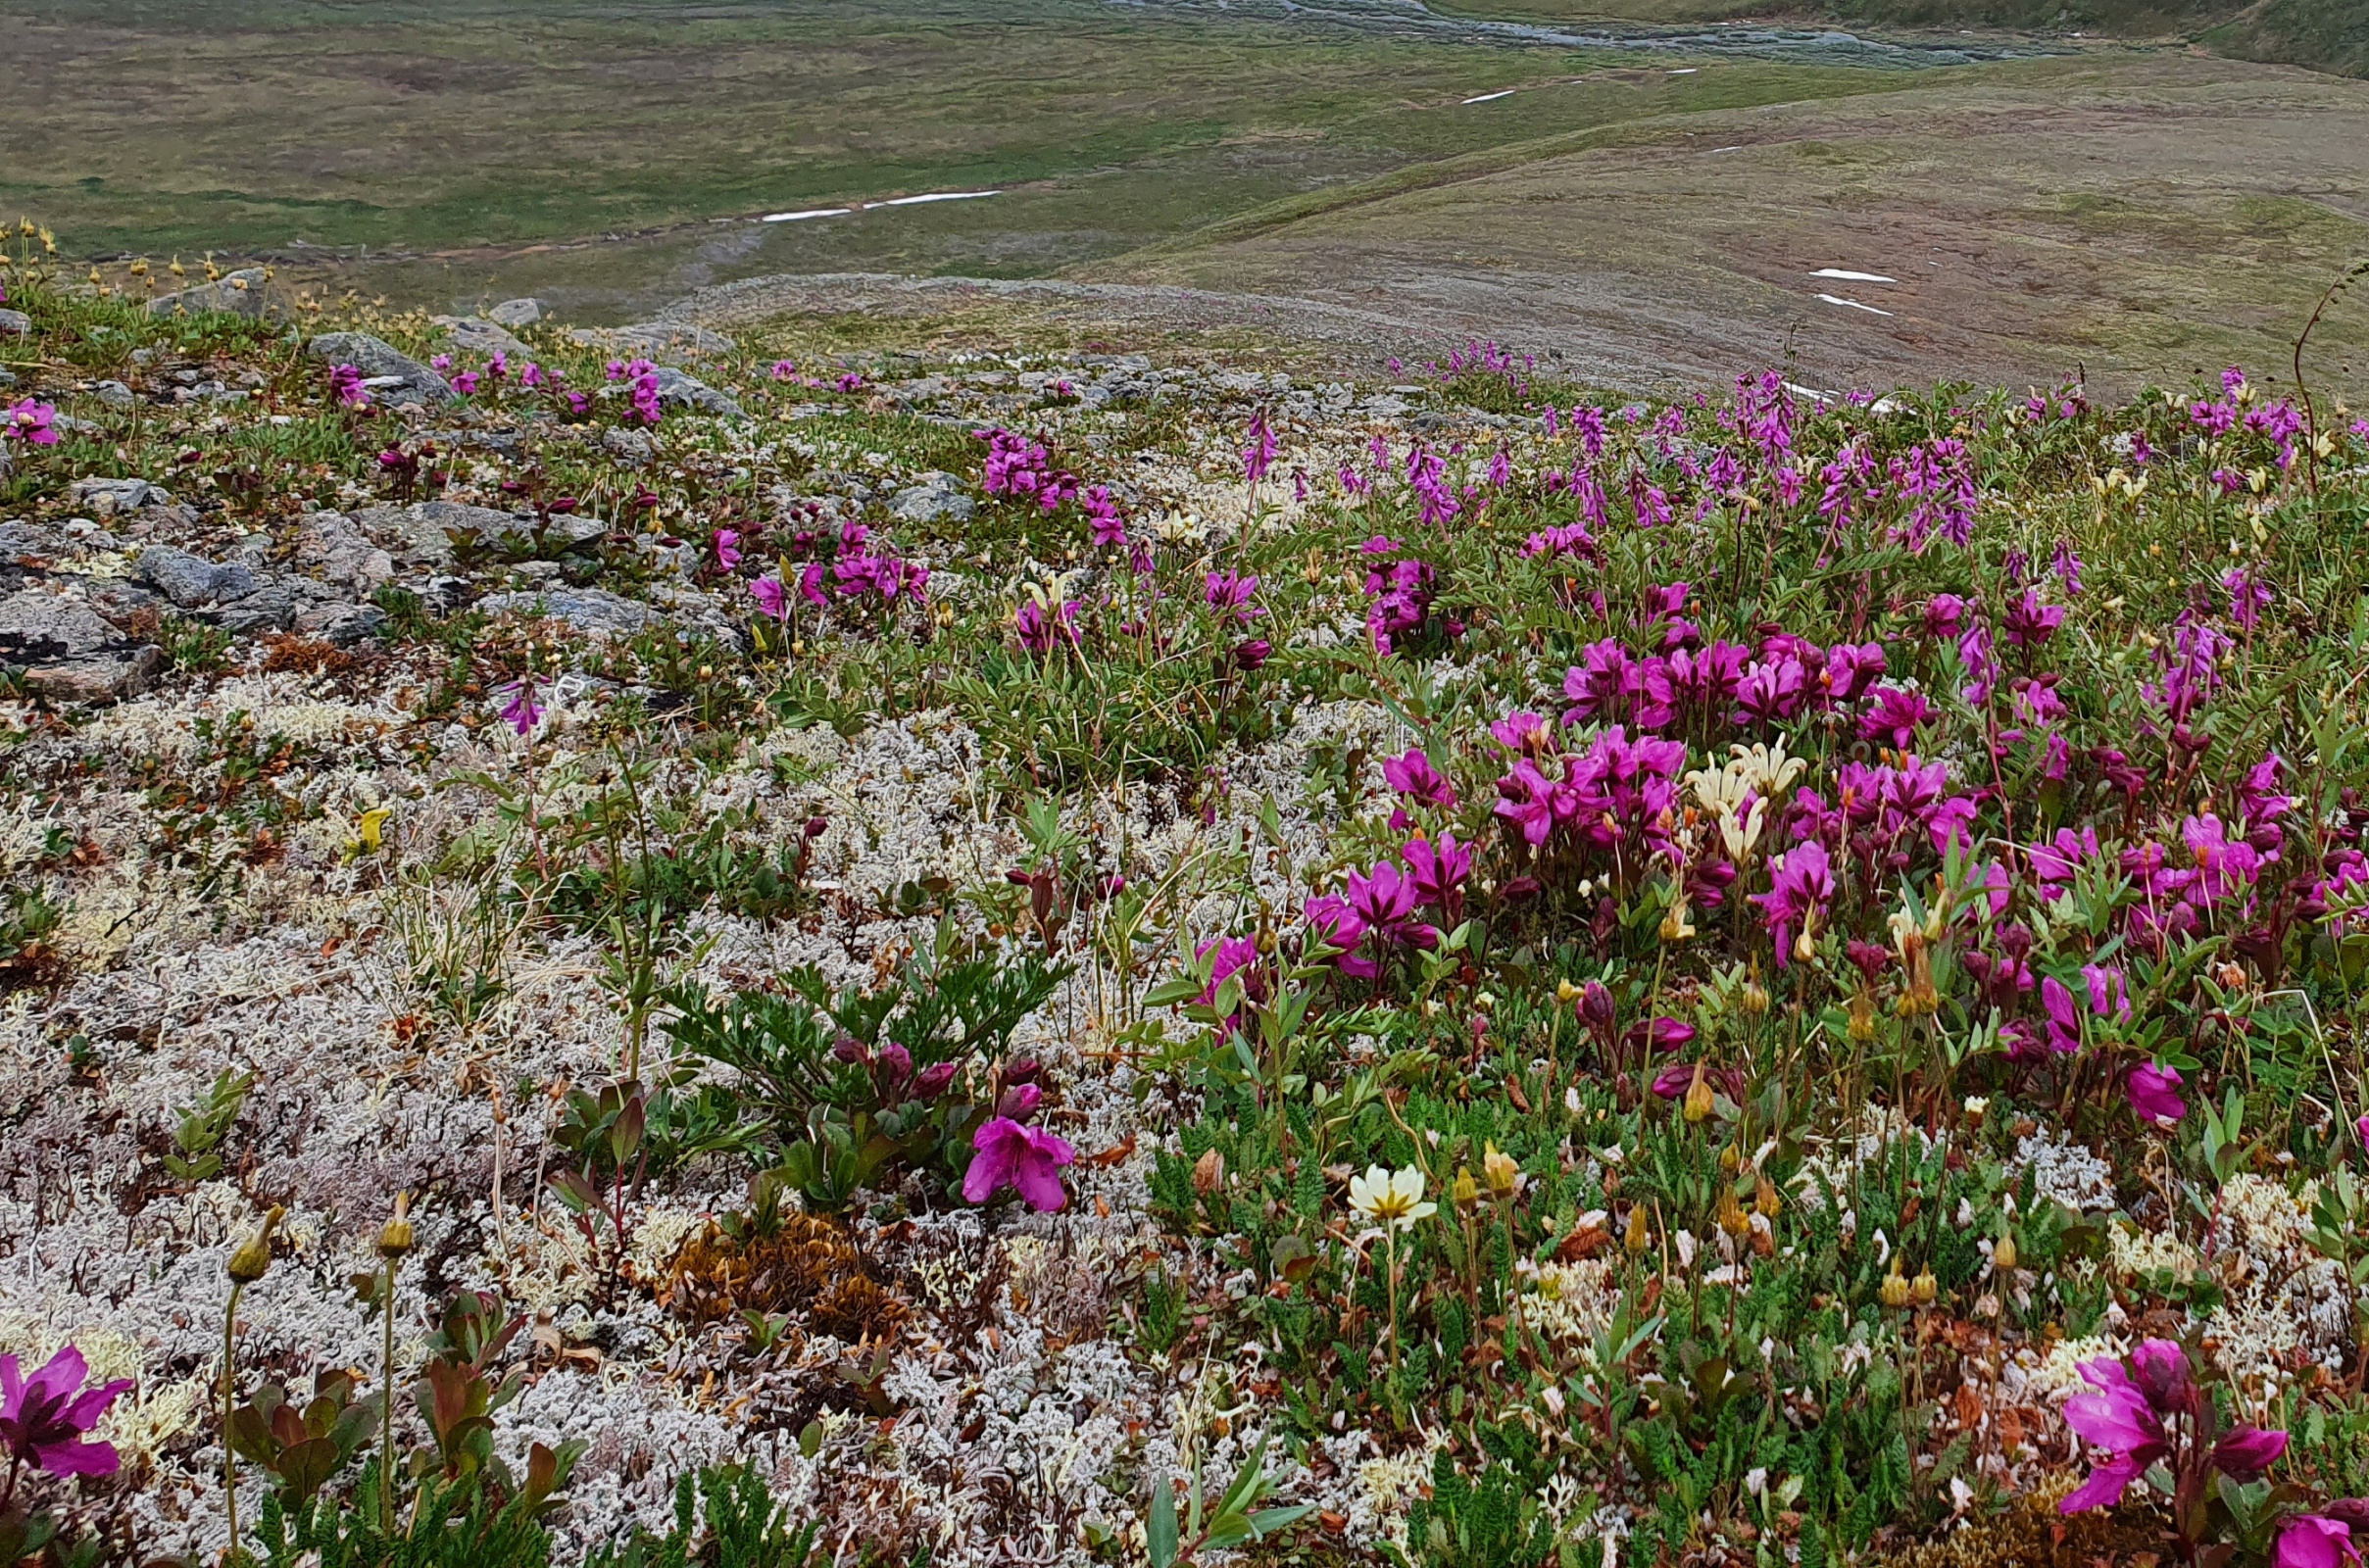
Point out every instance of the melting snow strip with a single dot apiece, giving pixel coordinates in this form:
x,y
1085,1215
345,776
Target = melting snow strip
x,y
936,196
800,218
1837,299
1490,97
1845,276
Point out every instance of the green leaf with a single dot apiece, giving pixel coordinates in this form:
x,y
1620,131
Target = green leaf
x,y
1159,1530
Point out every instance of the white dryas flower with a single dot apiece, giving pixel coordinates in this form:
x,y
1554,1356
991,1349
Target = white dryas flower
x,y
1390,1198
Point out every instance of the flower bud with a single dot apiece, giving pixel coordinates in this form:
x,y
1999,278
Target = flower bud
x,y
2002,1253
1019,1102
1732,1219
1894,1292
395,1237
1596,1004
847,1047
254,1255
1766,1199
893,1066
1862,1017
1754,999
1467,1190
1023,1070
933,1079
1698,1100
1504,1177
1637,1237
1924,1288
1566,992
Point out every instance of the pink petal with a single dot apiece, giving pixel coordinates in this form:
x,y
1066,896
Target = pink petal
x,y
85,1411
77,1458
1040,1185
2103,1488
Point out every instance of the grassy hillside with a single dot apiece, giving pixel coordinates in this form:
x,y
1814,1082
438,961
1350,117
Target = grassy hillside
x,y
2322,34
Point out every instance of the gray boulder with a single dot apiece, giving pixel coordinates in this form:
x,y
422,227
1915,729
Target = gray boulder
x,y
341,624
330,547
102,677
116,395
239,293
586,610
271,607
404,379
936,498
16,323
516,313
107,497
22,542
677,390
187,580
634,448
421,533
476,335
39,627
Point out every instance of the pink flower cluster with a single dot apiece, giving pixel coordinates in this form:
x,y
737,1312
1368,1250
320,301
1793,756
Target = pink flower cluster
x,y
1402,586
1019,468
1620,795
858,570
1384,904
1722,683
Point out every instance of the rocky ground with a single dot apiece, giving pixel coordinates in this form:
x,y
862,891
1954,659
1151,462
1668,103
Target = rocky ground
x,y
850,877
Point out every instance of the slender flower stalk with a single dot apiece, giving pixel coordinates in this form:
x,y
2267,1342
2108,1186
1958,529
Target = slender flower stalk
x,y
248,1264
395,1239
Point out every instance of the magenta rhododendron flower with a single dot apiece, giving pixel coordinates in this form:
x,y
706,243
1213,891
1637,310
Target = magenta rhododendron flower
x,y
772,597
1438,873
2156,1093
43,1417
32,421
2151,1408
1028,1160
1414,777
2312,1541
1229,594
727,548
1895,715
1334,923
1804,884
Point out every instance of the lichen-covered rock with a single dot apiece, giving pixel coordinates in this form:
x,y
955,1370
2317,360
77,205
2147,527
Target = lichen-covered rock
x,y
398,377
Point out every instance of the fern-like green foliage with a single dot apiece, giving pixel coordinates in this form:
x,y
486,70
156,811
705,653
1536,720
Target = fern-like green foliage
x,y
724,1518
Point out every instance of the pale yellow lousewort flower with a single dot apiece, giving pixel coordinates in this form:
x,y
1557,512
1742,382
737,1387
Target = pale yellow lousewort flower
x,y
1754,774
1391,1200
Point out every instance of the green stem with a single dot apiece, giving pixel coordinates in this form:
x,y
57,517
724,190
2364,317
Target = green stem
x,y
387,1410
229,1392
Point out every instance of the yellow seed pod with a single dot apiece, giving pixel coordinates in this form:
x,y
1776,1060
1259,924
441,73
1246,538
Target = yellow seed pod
x,y
395,1237
254,1255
